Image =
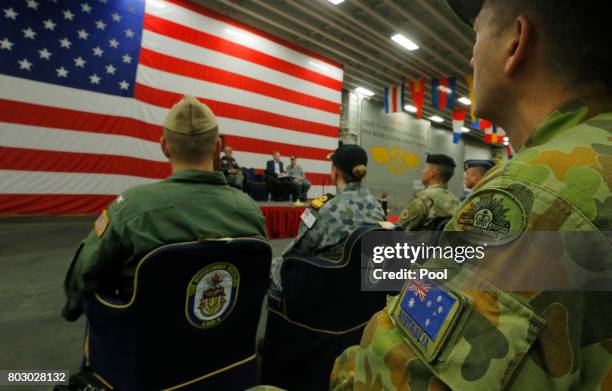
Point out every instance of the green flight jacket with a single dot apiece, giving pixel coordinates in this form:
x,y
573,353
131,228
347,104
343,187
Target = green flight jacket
x,y
189,205
560,182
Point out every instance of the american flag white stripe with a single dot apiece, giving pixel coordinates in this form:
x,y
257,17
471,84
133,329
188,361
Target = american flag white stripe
x,y
303,123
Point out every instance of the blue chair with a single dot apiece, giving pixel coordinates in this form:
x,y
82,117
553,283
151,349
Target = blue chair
x,y
190,323
319,313
255,184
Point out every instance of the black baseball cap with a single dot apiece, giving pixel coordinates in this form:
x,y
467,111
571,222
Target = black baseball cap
x,y
349,156
440,160
466,10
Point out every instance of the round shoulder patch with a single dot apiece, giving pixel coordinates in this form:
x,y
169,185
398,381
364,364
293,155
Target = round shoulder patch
x,y
211,294
492,215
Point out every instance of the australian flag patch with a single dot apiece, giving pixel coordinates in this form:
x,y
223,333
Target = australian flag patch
x,y
426,313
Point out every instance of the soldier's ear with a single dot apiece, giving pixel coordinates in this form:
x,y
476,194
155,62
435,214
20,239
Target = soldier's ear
x,y
519,45
164,146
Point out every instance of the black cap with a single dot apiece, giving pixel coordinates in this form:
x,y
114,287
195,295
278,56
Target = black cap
x,y
349,156
440,160
486,164
466,10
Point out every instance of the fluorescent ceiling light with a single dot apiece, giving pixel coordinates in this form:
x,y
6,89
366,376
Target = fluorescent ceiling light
x,y
465,101
465,130
437,119
405,42
364,91
410,109
335,2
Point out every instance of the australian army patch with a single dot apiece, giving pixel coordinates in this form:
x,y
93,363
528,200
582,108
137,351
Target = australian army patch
x,y
211,294
427,314
494,215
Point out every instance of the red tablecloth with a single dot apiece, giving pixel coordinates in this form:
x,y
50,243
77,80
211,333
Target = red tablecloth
x,y
282,221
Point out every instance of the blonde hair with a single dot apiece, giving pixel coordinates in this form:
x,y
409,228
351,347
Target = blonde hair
x,y
357,174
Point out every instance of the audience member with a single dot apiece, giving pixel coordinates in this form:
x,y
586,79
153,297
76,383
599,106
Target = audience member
x,y
194,202
430,206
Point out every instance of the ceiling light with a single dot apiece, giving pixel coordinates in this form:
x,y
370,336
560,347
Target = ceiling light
x,y
506,139
465,130
364,91
410,109
465,101
437,119
405,42
505,143
335,2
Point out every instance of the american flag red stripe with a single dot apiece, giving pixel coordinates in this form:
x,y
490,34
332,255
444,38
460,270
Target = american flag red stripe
x,y
66,150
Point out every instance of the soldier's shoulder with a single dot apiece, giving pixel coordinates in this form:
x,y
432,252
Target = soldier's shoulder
x,y
138,199
244,201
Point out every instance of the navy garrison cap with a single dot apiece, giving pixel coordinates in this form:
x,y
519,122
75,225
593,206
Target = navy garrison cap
x,y
486,164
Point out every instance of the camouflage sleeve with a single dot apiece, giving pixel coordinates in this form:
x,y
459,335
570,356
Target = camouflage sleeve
x,y
100,255
308,239
415,213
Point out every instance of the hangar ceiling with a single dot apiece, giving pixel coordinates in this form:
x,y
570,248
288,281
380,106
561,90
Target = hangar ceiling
x,y
356,33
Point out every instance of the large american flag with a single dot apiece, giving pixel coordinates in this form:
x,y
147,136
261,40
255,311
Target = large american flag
x,y
85,86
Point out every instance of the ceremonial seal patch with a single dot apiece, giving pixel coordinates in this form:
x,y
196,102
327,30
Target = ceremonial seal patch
x,y
211,294
493,215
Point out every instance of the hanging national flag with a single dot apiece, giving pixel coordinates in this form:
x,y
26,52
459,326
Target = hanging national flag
x,y
493,134
443,92
417,89
509,152
458,120
469,79
86,87
394,98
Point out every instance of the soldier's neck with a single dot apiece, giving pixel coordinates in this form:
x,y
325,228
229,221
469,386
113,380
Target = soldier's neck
x,y
435,182
529,113
179,166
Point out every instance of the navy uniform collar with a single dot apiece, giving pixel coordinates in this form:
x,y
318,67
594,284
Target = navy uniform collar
x,y
351,186
195,175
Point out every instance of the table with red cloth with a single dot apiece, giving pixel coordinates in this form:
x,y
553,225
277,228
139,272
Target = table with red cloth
x,y
282,221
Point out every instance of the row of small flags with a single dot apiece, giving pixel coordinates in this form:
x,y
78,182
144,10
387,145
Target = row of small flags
x,y
492,133
443,94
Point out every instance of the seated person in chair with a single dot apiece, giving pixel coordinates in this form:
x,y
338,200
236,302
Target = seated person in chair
x,y
329,220
231,169
194,202
298,180
276,177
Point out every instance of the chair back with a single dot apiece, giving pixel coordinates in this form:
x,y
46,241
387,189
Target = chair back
x,y
191,320
320,312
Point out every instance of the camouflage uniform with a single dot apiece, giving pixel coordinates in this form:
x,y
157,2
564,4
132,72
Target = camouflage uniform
x,y
560,181
350,208
427,206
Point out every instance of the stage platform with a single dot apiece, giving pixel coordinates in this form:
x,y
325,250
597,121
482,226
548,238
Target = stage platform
x,y
282,218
